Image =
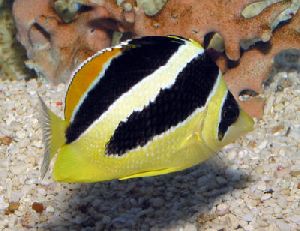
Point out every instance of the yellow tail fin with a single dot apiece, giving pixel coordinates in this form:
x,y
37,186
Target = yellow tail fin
x,y
53,135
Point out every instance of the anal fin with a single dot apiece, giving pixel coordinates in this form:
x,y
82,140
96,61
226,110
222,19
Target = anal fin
x,y
152,173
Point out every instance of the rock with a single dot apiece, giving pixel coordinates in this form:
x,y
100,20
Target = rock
x,y
282,172
287,60
3,204
221,180
295,132
202,181
189,227
222,209
295,218
151,7
5,140
12,207
27,220
38,207
67,10
106,219
50,209
295,171
38,22
262,145
261,186
99,226
121,222
233,174
205,217
266,197
248,217
276,129
157,202
127,6
282,226
182,196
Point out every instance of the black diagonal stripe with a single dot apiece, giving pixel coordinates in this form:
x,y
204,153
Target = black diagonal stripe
x,y
172,106
140,58
230,113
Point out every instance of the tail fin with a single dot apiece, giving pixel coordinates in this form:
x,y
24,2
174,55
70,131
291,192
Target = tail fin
x,y
53,135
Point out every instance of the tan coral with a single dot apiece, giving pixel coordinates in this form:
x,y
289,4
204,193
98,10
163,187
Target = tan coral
x,y
54,48
194,19
188,19
255,65
151,7
67,9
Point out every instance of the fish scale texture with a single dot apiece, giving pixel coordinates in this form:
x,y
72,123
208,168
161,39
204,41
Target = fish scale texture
x,y
171,107
124,71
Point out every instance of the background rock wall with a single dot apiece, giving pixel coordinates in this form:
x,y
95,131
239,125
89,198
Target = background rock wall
x,y
12,54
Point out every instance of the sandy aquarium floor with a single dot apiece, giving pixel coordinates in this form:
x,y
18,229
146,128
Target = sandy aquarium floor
x,y
253,184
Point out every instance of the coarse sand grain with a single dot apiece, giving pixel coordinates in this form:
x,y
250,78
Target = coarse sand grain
x,y
252,184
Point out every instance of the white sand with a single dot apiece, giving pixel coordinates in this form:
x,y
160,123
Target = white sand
x,y
253,184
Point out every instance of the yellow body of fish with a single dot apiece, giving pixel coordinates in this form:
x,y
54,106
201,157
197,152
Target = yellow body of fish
x,y
83,148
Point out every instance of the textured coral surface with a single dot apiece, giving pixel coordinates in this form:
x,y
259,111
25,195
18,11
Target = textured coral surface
x,y
58,37
55,48
256,64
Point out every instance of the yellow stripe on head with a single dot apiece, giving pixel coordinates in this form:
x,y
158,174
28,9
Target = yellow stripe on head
x,y
85,75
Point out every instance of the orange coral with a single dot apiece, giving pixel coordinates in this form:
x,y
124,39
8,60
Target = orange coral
x,y
55,48
194,19
256,64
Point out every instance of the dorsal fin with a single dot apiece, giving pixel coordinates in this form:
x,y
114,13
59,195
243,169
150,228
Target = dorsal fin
x,y
94,67
84,76
140,59
91,69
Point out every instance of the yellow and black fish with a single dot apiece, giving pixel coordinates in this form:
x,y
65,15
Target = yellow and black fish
x,y
149,106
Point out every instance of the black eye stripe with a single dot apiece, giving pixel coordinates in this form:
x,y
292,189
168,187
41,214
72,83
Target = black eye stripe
x,y
126,70
230,113
172,106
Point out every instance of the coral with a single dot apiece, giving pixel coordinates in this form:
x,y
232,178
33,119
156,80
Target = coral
x,y
57,39
189,20
286,14
67,9
256,8
287,60
151,7
255,65
55,48
12,54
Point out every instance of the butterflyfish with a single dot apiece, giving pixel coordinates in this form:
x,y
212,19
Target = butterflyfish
x,y
149,106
